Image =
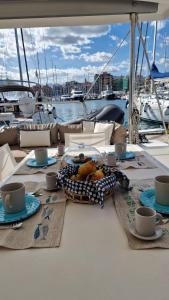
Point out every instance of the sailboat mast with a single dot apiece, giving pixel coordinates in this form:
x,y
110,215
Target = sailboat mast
x,y
26,64
155,42
18,54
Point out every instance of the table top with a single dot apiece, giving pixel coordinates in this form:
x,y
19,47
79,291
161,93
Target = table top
x,y
93,261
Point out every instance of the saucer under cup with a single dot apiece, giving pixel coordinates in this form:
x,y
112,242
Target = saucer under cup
x,y
157,233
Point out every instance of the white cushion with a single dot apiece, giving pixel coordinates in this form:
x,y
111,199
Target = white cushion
x,y
88,127
92,139
34,138
103,127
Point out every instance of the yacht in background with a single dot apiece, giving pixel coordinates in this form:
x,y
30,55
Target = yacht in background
x,y
65,98
107,94
77,95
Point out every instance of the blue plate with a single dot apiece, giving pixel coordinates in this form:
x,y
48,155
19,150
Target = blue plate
x,y
32,206
127,155
147,198
33,162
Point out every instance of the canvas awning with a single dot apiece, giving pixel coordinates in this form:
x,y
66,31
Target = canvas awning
x,y
35,13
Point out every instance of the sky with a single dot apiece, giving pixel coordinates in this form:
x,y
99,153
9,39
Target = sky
x,y
77,53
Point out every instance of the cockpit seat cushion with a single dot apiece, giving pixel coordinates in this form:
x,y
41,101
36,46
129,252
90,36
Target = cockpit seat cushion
x,y
35,138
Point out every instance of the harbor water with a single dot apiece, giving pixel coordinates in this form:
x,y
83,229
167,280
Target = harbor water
x,y
68,111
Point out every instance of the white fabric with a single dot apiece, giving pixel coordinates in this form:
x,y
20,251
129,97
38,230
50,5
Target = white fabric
x,y
34,138
103,127
88,127
111,270
7,162
92,139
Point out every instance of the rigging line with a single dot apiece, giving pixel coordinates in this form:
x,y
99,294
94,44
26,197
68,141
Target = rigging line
x,y
26,63
142,61
104,67
6,52
138,52
165,52
33,50
44,49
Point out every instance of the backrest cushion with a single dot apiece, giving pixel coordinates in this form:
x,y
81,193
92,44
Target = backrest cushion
x,y
38,127
104,127
35,138
9,136
92,139
73,128
88,126
119,134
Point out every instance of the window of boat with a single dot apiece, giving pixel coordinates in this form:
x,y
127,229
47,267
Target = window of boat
x,y
15,95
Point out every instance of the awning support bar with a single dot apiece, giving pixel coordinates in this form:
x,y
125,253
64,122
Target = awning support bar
x,y
132,74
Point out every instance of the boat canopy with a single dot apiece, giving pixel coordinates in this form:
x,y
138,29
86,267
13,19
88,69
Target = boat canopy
x,y
41,13
155,74
16,88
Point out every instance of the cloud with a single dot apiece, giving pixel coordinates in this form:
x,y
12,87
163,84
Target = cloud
x,y
68,74
96,57
160,24
114,37
118,40
67,39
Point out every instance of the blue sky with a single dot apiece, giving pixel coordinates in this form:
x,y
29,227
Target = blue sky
x,y
76,53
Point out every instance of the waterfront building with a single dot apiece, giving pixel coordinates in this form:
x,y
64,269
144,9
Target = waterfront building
x,y
104,82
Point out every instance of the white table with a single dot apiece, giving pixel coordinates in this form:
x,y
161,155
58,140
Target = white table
x,y
93,262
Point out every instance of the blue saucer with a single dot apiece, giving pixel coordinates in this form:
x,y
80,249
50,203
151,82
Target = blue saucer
x,y
147,198
127,155
33,162
32,206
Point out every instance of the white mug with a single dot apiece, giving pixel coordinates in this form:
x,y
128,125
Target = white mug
x,y
146,220
13,197
120,149
162,189
51,180
41,156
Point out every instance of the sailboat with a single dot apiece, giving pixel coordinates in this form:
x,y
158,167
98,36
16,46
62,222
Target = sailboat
x,y
148,105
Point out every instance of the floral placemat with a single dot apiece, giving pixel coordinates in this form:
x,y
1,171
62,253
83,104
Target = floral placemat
x,y
42,230
125,205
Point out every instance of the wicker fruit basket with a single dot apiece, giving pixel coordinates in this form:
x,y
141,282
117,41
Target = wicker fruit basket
x,y
90,192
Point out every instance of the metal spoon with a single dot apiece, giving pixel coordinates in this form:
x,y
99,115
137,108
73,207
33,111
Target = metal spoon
x,y
35,194
12,226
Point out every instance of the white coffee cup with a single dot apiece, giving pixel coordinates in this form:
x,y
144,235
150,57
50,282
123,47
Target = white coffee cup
x,y
51,180
41,156
162,189
146,220
13,197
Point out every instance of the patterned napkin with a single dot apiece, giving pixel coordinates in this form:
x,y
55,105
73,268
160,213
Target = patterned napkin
x,y
125,204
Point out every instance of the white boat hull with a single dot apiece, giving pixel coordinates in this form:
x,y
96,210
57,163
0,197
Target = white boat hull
x,y
149,110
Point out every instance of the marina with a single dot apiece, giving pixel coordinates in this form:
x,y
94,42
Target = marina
x,y
84,153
